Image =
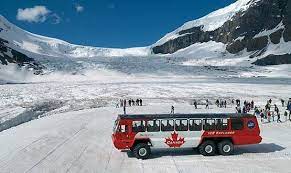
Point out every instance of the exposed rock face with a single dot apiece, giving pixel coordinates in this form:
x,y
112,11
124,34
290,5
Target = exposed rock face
x,y
274,60
257,43
276,36
241,32
9,55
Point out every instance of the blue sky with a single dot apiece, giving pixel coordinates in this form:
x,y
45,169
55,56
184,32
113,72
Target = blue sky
x,y
106,23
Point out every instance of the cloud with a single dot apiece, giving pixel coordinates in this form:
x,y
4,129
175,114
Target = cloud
x,y
56,18
35,14
79,8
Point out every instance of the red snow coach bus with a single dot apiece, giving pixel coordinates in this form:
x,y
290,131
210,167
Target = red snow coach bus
x,y
211,133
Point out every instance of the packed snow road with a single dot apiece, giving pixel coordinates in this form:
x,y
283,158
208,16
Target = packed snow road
x,y
81,142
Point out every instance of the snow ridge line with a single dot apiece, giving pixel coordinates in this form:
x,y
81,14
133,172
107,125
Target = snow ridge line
x,y
58,146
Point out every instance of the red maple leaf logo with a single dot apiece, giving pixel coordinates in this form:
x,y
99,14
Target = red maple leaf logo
x,y
175,142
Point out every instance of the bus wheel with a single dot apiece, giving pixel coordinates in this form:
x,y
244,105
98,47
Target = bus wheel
x,y
207,148
225,147
142,151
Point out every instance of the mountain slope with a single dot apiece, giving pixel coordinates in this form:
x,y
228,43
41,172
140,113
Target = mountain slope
x,y
209,22
260,27
9,55
245,32
40,45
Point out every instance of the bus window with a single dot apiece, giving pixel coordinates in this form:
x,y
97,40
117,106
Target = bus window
x,y
123,128
153,126
195,125
221,124
167,125
209,124
181,125
237,124
138,126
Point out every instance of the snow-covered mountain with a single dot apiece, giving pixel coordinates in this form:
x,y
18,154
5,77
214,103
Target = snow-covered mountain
x,y
245,32
210,22
25,41
262,28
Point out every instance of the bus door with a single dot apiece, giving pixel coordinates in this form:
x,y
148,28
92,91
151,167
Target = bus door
x,y
194,134
123,132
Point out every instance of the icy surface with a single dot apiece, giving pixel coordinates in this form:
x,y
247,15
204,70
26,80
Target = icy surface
x,y
81,142
58,93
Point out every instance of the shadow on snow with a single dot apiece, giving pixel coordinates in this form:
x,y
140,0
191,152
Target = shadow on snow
x,y
239,150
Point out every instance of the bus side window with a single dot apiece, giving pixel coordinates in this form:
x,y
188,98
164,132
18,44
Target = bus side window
x,y
181,125
167,125
237,124
153,126
221,124
209,124
138,126
195,125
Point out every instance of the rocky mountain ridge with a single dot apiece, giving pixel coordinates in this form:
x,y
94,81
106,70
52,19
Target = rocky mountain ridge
x,y
264,22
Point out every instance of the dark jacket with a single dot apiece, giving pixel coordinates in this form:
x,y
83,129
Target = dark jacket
x,y
289,105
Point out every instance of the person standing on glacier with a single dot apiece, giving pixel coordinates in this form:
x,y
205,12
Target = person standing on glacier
x,y
121,102
137,102
273,116
276,109
289,108
283,102
286,114
207,104
172,109
279,118
129,102
262,115
238,109
195,104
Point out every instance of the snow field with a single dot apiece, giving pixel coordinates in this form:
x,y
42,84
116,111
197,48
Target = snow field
x,y
81,142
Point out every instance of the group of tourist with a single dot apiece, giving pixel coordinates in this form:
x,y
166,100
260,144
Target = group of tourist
x,y
247,106
270,114
218,103
221,103
129,102
195,103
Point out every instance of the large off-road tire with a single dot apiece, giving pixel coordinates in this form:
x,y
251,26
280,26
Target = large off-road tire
x,y
207,148
225,147
142,151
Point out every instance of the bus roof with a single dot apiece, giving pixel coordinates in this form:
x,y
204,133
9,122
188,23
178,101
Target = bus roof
x,y
196,115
